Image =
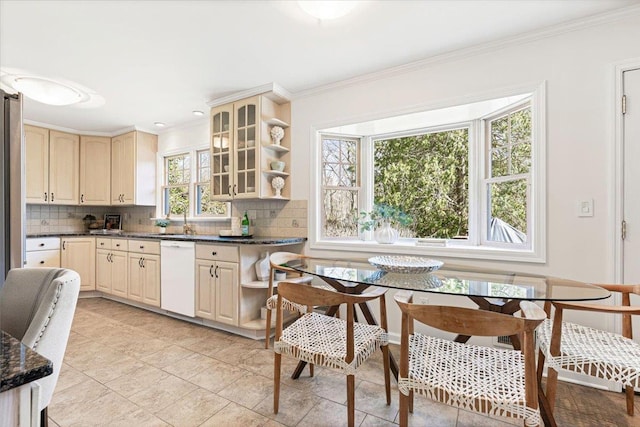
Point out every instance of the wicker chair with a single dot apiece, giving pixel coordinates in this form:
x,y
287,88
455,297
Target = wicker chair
x,y
590,351
275,261
487,380
338,344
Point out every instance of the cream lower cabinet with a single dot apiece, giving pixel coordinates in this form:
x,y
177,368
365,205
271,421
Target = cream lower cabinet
x,y
79,254
42,252
217,283
111,272
144,272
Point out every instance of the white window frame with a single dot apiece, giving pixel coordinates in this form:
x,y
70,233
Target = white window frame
x,y
474,247
192,151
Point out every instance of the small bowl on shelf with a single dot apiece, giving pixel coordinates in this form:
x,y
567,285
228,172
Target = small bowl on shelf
x,y
277,165
226,168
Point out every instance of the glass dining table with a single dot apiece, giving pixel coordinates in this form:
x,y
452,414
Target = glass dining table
x,y
491,289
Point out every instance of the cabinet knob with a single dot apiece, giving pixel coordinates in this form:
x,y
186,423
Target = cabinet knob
x,y
141,247
82,198
41,244
214,253
117,245
101,243
52,199
45,196
41,262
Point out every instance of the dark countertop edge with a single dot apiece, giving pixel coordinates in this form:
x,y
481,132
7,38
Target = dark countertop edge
x,y
259,240
20,364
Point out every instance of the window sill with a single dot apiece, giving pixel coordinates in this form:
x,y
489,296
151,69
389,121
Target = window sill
x,y
195,219
409,247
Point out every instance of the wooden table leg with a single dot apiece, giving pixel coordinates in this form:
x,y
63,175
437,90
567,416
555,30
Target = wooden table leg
x,y
372,321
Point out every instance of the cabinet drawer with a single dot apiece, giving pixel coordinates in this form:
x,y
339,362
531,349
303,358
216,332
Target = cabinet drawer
x,y
49,258
217,253
119,245
103,243
144,247
42,243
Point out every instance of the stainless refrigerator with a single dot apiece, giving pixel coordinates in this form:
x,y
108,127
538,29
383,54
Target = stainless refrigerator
x,y
12,183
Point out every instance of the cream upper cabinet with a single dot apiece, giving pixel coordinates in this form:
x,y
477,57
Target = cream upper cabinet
x,y
79,254
133,169
242,148
95,170
64,168
37,164
221,157
52,166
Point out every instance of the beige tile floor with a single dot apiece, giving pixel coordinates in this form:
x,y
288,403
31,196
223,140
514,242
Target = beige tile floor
x,y
128,367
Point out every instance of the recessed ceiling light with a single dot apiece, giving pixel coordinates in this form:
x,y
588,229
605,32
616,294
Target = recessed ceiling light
x,y
330,9
159,124
198,113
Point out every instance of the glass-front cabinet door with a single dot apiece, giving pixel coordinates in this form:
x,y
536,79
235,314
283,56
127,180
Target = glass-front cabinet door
x,y
247,143
222,153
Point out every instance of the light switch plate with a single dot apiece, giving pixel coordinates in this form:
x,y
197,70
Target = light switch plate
x,y
585,208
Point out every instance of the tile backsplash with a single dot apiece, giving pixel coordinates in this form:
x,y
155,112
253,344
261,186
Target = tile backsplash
x,y
269,218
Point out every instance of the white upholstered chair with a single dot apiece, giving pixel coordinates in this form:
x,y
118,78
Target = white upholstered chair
x,y
590,351
37,307
486,380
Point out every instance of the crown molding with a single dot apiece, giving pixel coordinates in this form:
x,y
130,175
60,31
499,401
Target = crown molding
x,y
479,49
273,91
89,133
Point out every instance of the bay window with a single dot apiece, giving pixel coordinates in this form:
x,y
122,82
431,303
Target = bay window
x,y
469,176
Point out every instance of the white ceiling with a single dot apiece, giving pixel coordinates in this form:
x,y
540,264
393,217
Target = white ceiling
x,y
159,60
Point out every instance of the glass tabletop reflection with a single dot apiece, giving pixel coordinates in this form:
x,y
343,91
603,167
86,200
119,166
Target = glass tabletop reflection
x,y
453,279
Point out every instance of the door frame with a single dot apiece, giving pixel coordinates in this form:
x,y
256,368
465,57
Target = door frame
x,y
618,167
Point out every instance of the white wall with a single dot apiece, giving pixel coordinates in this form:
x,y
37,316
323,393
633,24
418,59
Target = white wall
x,y
194,134
578,68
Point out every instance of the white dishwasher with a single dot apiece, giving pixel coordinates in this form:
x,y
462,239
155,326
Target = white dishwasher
x,y
177,277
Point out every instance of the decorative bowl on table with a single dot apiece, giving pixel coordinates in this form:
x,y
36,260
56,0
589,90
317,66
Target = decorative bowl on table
x,y
405,264
415,282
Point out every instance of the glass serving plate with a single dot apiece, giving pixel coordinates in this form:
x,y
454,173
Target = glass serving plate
x,y
405,264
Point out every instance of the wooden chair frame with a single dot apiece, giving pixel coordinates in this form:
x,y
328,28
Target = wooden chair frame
x,y
275,262
470,322
310,296
625,309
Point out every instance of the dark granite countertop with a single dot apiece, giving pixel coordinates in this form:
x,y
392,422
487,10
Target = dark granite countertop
x,y
202,238
19,364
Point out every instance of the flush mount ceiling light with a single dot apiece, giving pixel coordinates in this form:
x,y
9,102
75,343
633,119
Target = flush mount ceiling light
x,y
49,91
198,113
330,9
159,124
